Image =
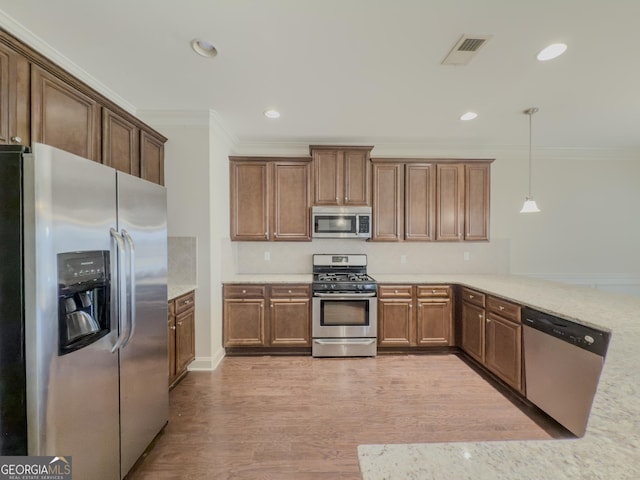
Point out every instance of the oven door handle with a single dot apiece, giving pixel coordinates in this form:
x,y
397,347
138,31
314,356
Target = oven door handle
x,y
345,341
340,296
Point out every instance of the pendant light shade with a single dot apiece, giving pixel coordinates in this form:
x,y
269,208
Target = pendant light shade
x,y
529,203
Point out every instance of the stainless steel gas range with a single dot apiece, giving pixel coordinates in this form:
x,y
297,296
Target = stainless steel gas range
x,y
344,313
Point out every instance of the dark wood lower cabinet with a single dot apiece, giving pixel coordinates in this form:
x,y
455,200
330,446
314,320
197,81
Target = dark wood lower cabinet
x,y
267,318
415,316
492,335
181,336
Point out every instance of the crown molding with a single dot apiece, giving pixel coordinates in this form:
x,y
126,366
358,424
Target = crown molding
x,y
32,40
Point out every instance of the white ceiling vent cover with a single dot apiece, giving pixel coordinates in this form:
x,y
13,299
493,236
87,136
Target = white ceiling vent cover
x,y
465,49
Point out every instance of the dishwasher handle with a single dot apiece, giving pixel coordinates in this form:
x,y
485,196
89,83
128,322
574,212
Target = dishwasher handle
x,y
582,336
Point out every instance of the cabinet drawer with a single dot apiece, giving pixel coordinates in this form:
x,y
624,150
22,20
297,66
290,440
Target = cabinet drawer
x,y
185,302
508,310
474,297
433,291
244,291
395,291
289,291
172,307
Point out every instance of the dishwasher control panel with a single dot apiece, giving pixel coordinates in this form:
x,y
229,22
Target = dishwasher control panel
x,y
582,336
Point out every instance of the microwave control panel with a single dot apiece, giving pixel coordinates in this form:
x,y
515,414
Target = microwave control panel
x,y
363,224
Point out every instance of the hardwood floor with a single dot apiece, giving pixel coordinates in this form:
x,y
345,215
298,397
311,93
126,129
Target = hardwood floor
x,y
302,418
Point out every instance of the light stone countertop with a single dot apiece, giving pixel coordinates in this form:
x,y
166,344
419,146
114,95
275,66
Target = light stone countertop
x,y
610,450
174,291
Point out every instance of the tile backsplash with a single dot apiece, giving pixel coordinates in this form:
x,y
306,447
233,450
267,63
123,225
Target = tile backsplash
x,y
182,260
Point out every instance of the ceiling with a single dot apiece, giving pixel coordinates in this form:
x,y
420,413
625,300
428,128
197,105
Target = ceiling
x,y
364,71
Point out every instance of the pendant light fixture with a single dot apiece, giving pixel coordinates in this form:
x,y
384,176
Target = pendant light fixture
x,y
529,203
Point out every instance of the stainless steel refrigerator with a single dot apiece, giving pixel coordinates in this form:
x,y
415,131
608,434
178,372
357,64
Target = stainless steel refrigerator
x,y
83,311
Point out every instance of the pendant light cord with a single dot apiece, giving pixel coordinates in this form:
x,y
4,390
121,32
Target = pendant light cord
x,y
530,112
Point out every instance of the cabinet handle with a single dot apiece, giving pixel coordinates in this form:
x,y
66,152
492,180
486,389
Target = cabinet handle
x,y
501,308
16,139
173,327
479,315
187,302
433,291
488,320
179,323
470,296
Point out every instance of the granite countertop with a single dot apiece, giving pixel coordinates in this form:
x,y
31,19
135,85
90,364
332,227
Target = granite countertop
x,y
174,291
611,447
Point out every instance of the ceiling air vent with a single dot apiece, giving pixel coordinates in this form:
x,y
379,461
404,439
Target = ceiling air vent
x,y
465,49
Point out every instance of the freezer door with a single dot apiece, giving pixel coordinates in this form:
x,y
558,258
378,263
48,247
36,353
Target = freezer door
x,y
72,399
144,397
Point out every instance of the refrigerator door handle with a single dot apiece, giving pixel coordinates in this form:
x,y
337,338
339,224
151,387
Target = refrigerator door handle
x,y
121,280
131,257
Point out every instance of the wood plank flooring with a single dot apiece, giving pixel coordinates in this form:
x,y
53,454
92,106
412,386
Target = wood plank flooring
x,y
302,418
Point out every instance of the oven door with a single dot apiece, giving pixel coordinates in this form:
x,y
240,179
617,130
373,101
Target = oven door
x,y
344,316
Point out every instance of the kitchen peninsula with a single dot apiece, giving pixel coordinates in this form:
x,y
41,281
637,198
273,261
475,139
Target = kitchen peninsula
x,y
611,446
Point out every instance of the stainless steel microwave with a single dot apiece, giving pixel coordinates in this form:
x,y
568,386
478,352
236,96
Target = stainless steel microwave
x,y
341,222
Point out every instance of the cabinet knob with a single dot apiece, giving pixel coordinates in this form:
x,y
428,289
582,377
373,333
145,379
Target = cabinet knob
x,y
346,199
173,327
419,305
501,307
16,139
479,315
395,291
488,320
244,291
187,302
289,291
271,305
470,296
337,198
433,291
179,323
410,306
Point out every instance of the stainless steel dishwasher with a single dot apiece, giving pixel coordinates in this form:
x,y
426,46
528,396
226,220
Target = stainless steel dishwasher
x,y
563,362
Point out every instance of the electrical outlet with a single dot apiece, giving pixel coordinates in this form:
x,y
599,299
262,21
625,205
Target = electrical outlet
x,y
403,259
267,256
467,256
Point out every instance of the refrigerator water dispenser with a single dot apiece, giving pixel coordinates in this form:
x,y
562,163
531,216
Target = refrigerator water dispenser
x,y
83,299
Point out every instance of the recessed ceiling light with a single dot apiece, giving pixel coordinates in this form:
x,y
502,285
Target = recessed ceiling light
x,y
469,116
272,113
204,48
551,52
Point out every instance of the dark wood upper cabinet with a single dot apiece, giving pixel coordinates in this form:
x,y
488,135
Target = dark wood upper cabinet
x,y
420,202
388,207
152,157
120,143
450,201
64,117
270,198
341,175
14,97
476,216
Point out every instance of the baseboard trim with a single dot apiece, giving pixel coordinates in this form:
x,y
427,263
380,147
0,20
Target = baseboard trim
x,y
207,364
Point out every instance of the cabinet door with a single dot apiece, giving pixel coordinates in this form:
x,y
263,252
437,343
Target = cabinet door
x,y
476,218
356,177
244,324
473,331
290,322
327,174
151,158
387,202
120,147
420,202
433,321
291,201
249,200
64,117
504,350
395,322
185,339
450,202
14,97
172,344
